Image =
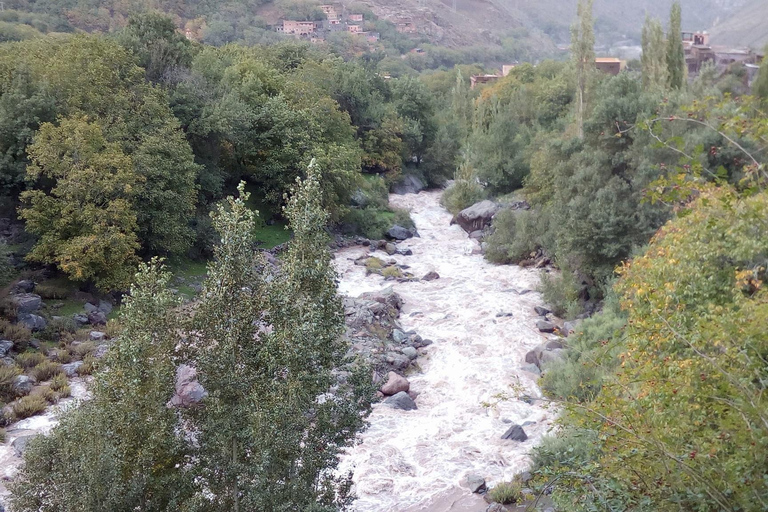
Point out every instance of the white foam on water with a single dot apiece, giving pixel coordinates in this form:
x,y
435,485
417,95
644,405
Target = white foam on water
x,y
410,458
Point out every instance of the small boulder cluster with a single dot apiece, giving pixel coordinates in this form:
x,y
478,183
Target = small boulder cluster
x,y
376,336
554,348
477,220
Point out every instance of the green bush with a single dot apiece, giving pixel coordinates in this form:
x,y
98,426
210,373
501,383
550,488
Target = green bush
x,y
591,355
46,370
59,382
18,334
88,366
462,194
373,222
81,350
515,236
7,374
30,359
506,492
572,448
28,406
48,394
52,290
561,293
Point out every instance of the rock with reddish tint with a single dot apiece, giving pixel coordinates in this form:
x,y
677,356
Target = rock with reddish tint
x,y
430,276
395,384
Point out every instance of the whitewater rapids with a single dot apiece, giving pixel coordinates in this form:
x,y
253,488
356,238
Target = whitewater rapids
x,y
415,460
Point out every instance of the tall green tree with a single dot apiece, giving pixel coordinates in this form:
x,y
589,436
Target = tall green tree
x,y
266,344
760,87
121,450
675,53
654,58
583,54
85,222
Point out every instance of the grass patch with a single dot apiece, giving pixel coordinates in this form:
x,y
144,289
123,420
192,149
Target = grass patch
x,y
7,374
506,492
268,236
30,359
46,370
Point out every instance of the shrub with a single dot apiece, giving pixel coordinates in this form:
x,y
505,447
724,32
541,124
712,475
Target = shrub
x,y
374,264
392,272
29,359
81,350
592,354
28,406
45,370
463,194
506,492
374,222
7,374
112,329
18,334
3,435
572,448
515,236
88,366
561,293
59,382
48,394
60,325
51,290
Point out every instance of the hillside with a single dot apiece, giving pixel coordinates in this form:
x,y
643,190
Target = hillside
x,y
747,27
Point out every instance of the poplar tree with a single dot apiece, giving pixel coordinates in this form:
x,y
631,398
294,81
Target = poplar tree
x,y
655,73
121,450
675,51
267,345
760,87
583,50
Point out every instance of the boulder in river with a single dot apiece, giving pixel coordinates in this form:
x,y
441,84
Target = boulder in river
x,y
515,433
541,310
395,384
401,401
475,483
399,233
477,216
544,326
430,276
408,184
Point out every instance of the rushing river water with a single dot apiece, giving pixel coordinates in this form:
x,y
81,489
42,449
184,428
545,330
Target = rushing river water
x,y
415,460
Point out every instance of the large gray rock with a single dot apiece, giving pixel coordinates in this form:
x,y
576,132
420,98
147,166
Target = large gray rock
x,y
105,307
189,391
80,319
97,318
398,233
97,336
5,347
551,356
408,184
401,401
397,361
22,385
430,276
71,368
26,303
544,326
395,384
515,433
33,322
475,483
410,353
570,327
541,310
477,216
20,444
90,308
24,286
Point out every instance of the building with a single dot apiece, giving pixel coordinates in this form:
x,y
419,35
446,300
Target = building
x,y
356,17
405,25
355,29
696,56
482,79
297,28
610,65
371,37
507,69
695,39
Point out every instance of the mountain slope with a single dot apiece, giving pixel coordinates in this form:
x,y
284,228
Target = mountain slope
x,y
747,27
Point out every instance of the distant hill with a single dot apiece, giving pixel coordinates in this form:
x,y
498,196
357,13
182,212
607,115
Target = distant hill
x,y
747,27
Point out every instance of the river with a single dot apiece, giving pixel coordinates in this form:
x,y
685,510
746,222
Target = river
x,y
415,460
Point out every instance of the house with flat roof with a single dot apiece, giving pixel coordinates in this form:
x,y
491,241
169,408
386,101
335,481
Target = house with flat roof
x,y
610,65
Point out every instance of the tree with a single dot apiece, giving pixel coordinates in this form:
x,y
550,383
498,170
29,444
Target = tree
x,y
760,87
654,55
266,344
583,51
85,222
121,450
154,40
675,52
